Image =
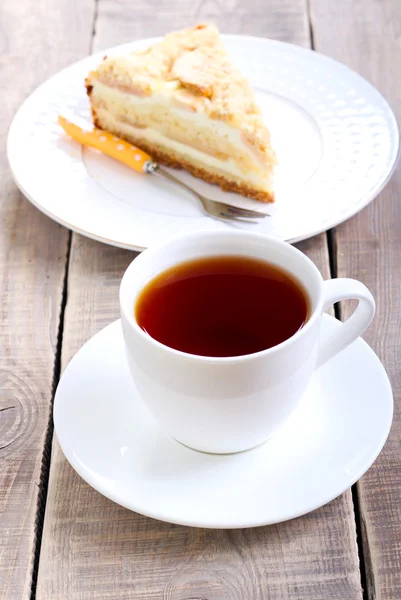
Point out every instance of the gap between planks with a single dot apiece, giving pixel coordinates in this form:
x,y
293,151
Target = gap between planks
x,y
47,449
332,248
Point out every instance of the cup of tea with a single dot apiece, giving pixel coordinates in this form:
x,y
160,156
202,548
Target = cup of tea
x,y
222,334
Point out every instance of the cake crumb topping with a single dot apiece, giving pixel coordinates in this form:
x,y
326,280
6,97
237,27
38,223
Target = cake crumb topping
x,y
192,66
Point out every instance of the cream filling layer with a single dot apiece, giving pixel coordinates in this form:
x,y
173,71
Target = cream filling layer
x,y
119,105
198,158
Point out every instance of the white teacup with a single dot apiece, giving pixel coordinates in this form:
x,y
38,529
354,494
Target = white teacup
x,y
224,405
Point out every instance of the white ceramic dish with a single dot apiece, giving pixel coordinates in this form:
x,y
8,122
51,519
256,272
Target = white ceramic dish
x,y
113,442
336,138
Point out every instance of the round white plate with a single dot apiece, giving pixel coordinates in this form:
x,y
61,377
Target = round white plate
x,y
331,439
336,139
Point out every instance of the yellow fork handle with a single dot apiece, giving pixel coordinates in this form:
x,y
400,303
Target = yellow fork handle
x,y
108,144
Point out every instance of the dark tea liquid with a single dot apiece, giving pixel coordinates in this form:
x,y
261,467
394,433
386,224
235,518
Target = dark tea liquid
x,y
222,306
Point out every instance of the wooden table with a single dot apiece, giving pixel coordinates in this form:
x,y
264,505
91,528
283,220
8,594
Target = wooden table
x,y
60,539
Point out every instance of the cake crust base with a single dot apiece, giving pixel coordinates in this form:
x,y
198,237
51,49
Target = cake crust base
x,y
220,180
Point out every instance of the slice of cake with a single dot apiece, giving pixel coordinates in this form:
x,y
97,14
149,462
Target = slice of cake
x,y
184,103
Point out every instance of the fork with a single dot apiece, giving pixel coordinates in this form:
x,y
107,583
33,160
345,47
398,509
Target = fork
x,y
141,161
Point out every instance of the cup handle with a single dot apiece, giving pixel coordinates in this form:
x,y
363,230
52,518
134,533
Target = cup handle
x,y
335,290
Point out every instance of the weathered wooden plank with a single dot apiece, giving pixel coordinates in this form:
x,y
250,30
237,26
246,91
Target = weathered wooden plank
x,y
285,20
365,34
94,549
37,38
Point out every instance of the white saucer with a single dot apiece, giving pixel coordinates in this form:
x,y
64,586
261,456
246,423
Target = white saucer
x,y
335,136
112,441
